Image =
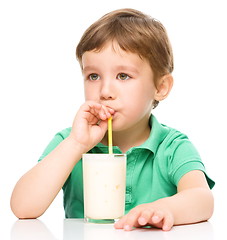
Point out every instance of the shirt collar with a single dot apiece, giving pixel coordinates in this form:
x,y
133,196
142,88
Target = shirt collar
x,y
157,135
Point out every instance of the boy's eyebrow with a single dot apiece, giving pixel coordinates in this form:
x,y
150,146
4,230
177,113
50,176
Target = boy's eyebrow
x,y
127,68
89,68
117,68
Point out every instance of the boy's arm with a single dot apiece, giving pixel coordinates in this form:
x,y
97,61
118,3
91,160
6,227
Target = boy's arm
x,y
193,203
36,190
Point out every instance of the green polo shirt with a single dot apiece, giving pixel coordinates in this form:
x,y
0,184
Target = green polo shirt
x,y
153,168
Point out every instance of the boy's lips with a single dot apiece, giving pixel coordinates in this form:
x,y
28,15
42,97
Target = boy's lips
x,y
112,109
114,113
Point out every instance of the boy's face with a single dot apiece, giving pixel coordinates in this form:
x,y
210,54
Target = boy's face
x,y
122,81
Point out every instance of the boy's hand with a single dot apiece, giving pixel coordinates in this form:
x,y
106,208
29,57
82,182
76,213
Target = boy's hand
x,y
150,214
85,131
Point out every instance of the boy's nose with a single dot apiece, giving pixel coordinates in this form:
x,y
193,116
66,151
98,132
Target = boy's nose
x,y
107,91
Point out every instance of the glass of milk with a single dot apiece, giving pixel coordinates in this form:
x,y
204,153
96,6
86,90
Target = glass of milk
x,y
104,177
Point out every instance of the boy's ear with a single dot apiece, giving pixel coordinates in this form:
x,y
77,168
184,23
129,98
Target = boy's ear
x,y
164,87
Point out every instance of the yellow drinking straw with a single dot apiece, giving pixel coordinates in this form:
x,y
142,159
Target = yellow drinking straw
x,y
110,141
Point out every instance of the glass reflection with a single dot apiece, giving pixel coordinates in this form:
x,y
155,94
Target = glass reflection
x,y
77,229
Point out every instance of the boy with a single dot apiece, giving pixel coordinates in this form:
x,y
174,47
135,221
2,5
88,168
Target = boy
x,y
126,61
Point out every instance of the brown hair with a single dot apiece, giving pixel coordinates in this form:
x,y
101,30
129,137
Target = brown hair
x,y
134,32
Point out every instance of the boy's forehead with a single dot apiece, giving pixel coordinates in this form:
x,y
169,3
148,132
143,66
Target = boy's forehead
x,y
113,54
111,46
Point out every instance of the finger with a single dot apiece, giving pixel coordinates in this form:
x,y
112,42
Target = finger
x,y
98,109
88,106
102,113
157,217
106,112
145,216
132,218
120,224
167,223
111,111
92,108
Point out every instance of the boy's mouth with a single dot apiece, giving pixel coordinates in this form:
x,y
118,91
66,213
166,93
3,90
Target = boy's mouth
x,y
114,113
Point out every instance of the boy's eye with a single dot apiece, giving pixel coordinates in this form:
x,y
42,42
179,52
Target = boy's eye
x,y
123,76
94,77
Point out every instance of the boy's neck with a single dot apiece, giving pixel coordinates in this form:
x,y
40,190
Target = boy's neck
x,y
129,138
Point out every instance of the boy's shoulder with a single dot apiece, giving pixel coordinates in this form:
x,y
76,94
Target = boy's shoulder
x,y
174,135
58,138
178,143
165,136
174,148
64,133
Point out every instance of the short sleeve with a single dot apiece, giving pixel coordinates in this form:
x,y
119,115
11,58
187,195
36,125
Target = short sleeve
x,y
183,157
58,138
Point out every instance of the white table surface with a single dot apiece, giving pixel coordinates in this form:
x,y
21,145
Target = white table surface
x,y
76,229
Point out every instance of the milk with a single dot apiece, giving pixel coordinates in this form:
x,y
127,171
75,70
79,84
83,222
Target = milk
x,y
104,178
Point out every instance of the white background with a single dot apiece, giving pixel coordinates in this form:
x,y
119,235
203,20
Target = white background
x,y
41,86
